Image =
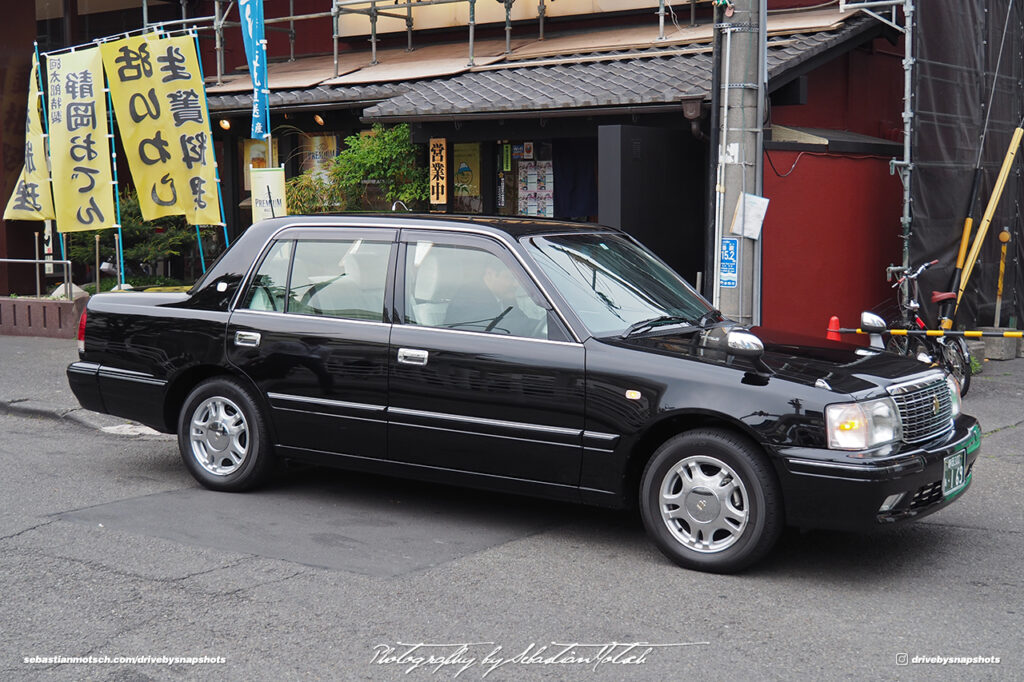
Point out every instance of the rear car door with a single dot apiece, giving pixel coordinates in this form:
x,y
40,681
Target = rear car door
x,y
312,331
484,377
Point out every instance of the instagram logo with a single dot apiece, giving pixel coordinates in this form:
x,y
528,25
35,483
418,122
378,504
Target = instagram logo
x,y
902,659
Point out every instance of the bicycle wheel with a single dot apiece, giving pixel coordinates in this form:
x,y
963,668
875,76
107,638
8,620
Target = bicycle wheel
x,y
956,360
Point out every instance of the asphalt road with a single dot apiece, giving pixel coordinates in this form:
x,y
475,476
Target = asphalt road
x,y
109,549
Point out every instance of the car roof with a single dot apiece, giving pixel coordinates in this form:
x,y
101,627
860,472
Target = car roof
x,y
513,227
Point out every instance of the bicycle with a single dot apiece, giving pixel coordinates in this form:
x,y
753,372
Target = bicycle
x,y
950,353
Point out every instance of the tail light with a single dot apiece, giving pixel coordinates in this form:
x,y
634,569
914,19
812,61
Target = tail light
x,y
81,332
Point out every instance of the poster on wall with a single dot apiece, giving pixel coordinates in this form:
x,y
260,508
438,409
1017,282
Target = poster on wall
x,y
466,179
255,153
318,152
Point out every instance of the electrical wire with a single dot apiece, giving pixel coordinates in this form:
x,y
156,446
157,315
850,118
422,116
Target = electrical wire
x,y
855,157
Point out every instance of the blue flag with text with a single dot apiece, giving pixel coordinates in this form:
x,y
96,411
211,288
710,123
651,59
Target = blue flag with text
x,y
251,12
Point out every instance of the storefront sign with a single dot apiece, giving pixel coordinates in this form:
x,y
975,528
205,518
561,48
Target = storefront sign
x,y
506,157
438,171
729,263
268,194
83,188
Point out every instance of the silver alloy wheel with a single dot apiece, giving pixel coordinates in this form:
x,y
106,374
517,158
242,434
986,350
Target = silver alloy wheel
x,y
219,436
704,504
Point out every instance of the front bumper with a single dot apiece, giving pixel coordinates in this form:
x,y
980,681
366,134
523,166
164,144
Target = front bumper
x,y
825,489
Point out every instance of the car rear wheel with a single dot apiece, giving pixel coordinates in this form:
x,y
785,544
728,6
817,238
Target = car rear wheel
x,y
710,501
223,437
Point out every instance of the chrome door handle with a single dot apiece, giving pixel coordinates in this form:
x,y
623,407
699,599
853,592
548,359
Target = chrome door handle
x,y
247,339
412,356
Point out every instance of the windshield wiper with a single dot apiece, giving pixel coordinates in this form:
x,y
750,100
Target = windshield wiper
x,y
647,325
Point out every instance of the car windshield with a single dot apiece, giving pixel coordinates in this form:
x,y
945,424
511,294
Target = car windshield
x,y
617,287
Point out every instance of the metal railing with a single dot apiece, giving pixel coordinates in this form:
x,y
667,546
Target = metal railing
x,y
37,262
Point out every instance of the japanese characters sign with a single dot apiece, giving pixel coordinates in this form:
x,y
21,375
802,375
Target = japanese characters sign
x,y
83,189
251,12
31,198
161,113
437,165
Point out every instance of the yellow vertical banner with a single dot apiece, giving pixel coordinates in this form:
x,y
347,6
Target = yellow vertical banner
x,y
83,186
160,105
31,199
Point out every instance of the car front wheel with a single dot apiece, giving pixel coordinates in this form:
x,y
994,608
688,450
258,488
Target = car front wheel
x,y
223,437
710,501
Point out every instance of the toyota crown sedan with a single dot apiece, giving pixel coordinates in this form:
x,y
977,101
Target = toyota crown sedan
x,y
525,356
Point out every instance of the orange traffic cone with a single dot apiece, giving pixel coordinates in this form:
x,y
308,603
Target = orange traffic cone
x,y
833,330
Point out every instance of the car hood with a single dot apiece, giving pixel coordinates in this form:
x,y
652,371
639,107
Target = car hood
x,y
839,367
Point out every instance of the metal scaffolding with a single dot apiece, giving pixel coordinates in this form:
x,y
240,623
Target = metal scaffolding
x,y
368,8
904,165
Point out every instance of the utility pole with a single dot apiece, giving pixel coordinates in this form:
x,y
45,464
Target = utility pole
x,y
737,289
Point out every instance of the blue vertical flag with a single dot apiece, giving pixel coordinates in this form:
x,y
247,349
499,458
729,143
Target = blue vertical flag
x,y
251,12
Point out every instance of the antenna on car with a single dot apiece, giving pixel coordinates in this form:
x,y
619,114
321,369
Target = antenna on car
x,y
394,206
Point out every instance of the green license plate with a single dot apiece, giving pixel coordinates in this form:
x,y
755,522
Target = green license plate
x,y
953,474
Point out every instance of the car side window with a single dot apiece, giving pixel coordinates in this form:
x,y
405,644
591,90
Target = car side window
x,y
453,286
268,287
343,279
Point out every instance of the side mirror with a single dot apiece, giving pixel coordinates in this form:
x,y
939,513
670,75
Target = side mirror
x,y
874,326
742,343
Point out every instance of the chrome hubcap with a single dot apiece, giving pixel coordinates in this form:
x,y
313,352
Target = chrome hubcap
x,y
704,504
219,435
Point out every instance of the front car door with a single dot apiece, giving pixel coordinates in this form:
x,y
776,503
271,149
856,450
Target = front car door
x,y
312,331
484,377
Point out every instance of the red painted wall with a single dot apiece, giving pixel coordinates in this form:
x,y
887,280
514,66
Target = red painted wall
x,y
833,224
831,229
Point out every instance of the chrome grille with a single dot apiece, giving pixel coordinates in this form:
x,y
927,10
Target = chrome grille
x,y
926,409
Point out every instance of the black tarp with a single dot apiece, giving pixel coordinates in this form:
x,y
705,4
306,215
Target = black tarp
x,y
957,48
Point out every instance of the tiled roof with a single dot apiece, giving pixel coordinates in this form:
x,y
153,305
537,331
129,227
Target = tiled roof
x,y
606,80
356,95
636,78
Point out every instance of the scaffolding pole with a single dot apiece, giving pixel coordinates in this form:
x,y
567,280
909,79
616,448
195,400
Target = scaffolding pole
x,y
903,166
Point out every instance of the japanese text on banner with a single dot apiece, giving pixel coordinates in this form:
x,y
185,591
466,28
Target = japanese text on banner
x,y
251,13
83,189
160,105
31,199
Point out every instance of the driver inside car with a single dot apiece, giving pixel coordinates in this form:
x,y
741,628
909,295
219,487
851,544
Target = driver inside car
x,y
490,302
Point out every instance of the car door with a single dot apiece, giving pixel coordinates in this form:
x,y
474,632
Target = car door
x,y
312,331
483,375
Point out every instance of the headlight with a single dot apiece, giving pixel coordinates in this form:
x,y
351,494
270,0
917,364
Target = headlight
x,y
954,394
859,426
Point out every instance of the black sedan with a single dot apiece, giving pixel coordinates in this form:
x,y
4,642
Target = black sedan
x,y
526,356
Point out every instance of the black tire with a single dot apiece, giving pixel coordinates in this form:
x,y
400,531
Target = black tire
x,y
691,540
223,437
956,359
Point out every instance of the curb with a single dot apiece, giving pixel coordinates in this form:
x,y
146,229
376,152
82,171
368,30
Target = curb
x,y
76,415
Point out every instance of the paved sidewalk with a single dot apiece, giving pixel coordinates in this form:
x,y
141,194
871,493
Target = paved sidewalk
x,y
32,382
